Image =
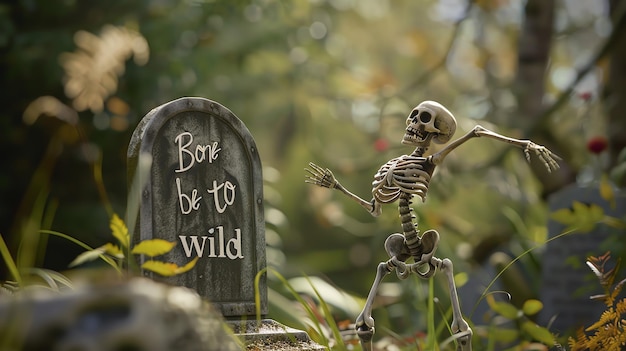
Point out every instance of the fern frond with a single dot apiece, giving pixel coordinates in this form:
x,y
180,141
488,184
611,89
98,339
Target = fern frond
x,y
620,307
580,342
608,317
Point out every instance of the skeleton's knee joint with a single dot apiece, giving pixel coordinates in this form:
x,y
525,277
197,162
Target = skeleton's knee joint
x,y
446,264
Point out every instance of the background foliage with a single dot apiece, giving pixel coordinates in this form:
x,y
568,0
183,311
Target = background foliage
x,y
329,81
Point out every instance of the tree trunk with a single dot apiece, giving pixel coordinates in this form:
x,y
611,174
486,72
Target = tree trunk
x,y
533,55
616,87
534,47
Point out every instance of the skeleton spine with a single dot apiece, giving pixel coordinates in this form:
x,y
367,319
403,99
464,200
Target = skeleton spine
x,y
411,234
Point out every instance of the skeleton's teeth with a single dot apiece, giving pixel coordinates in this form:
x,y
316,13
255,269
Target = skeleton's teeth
x,y
413,135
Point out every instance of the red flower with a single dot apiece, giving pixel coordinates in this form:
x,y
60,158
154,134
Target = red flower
x,y
586,96
381,145
597,144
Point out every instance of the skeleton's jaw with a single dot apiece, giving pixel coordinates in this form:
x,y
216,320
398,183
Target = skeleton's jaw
x,y
414,137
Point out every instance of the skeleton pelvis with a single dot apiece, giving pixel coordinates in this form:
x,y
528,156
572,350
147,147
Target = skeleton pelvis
x,y
421,248
428,245
395,245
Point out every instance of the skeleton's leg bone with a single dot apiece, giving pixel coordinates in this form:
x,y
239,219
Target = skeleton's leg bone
x,y
459,325
364,322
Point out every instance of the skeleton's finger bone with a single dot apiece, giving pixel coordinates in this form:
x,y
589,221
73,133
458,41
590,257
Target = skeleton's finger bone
x,y
316,167
318,170
314,177
314,173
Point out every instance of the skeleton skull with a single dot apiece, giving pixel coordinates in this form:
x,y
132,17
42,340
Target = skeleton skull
x,y
429,121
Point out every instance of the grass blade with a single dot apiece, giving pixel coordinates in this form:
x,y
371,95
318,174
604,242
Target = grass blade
x,y
8,260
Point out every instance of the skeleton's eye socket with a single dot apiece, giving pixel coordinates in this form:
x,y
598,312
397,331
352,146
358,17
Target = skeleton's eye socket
x,y
425,117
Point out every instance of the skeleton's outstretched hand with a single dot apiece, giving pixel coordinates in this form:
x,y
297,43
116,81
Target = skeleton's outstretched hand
x,y
320,176
324,177
546,156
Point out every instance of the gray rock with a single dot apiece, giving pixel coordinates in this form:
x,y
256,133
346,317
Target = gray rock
x,y
133,315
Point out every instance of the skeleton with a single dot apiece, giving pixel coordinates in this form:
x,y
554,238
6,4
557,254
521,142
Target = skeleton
x,y
399,180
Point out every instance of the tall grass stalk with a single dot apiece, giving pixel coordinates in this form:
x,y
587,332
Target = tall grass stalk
x,y
431,336
133,202
8,260
311,314
105,258
328,316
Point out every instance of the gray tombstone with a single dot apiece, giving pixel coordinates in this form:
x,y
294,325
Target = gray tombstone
x,y
203,189
566,282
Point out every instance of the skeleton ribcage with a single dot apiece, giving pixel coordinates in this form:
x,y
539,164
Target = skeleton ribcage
x,y
404,174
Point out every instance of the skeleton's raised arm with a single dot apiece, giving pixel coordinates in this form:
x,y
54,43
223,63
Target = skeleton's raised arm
x,y
546,156
325,178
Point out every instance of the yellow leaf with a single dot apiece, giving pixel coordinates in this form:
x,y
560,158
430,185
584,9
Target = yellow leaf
x,y
606,190
188,266
504,309
119,230
581,216
505,335
168,269
113,250
532,307
538,333
163,268
153,247
564,216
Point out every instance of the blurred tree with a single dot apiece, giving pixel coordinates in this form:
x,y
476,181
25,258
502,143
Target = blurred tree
x,y
616,87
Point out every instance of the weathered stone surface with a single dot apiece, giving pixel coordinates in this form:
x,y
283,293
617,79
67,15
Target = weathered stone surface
x,y
268,335
134,315
204,191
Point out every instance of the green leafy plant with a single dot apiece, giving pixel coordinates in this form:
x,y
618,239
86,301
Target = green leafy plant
x,y
585,217
516,325
321,325
116,254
